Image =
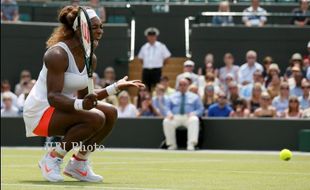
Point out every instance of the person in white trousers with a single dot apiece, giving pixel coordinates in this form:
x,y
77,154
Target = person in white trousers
x,y
184,109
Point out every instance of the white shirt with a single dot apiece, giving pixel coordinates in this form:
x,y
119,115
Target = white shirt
x,y
129,111
246,72
13,112
153,56
250,15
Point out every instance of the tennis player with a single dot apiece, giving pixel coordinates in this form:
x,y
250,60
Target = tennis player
x,y
51,109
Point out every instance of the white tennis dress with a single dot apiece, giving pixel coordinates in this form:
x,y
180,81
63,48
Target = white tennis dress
x,y
36,103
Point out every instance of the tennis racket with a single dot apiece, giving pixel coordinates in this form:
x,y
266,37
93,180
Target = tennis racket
x,y
87,43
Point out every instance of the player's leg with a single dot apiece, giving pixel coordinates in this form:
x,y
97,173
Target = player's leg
x,y
75,127
111,115
78,166
192,125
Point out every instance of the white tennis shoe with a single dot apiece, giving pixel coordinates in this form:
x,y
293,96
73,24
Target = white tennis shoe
x,y
50,168
81,170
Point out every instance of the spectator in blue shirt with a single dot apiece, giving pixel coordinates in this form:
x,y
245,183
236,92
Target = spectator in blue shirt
x,y
305,98
296,90
223,20
184,109
221,108
160,100
9,10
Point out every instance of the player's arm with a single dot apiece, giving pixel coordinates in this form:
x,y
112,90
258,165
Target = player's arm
x,y
56,62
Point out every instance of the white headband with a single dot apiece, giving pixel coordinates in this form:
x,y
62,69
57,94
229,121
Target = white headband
x,y
91,14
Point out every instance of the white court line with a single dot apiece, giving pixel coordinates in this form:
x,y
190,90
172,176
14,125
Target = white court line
x,y
148,150
23,185
180,170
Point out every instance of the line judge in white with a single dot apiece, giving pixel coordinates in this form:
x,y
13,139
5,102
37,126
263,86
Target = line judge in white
x,y
153,55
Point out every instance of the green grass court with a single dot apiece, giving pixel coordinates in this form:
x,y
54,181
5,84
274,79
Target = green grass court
x,y
162,170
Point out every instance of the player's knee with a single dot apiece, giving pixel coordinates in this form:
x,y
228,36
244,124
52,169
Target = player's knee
x,y
97,121
113,113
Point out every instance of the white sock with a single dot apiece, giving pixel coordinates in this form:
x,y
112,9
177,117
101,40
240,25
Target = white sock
x,y
60,151
83,156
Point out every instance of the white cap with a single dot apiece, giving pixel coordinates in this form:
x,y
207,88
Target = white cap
x,y
189,63
151,31
296,56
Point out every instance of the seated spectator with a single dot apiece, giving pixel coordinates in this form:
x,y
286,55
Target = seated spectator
x,y
224,86
22,97
247,70
254,102
296,90
304,100
274,86
8,110
233,92
9,10
100,10
184,110
295,62
6,87
246,91
221,108
25,79
229,68
301,18
209,97
240,109
265,109
223,20
293,111
273,69
281,102
125,108
208,65
254,15
194,89
142,93
164,80
160,100
209,78
267,61
108,78
147,109
296,72
188,71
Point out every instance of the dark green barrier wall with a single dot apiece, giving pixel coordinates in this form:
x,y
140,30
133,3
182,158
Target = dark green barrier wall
x,y
23,47
235,134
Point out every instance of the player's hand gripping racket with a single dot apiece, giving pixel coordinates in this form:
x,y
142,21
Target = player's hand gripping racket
x,y
87,43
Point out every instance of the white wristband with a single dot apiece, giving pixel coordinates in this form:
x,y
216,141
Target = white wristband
x,y
78,104
112,89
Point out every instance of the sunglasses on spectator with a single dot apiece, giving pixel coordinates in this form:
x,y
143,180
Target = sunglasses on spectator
x,y
305,87
222,97
25,76
266,99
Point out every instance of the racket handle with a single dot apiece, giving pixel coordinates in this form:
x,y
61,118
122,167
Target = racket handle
x,y
90,86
